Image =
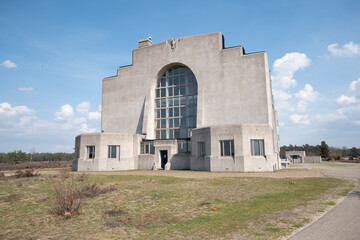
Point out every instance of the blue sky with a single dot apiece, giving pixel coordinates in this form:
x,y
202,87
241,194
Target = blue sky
x,y
54,55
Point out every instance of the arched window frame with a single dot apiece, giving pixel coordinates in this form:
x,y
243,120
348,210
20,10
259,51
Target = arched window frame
x,y
175,103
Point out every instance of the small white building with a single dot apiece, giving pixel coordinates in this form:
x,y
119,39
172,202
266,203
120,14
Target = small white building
x,y
186,103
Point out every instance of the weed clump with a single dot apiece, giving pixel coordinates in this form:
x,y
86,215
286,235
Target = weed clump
x,y
70,191
26,173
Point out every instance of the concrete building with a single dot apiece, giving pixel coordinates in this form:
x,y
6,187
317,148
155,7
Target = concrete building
x,y
186,103
300,157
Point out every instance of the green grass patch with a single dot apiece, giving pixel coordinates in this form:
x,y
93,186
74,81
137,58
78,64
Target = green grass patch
x,y
156,207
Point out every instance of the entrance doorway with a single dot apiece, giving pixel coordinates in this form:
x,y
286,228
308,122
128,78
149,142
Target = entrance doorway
x,y
164,158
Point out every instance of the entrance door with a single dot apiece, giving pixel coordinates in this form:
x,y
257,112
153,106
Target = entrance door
x,y
164,158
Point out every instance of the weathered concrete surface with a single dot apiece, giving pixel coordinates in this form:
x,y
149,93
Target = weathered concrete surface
x,y
343,221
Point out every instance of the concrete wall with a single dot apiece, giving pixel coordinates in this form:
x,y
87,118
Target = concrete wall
x,y
129,150
243,161
312,159
233,87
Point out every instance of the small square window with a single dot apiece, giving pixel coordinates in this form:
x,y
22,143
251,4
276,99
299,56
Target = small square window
x,y
114,151
227,148
90,151
257,147
200,149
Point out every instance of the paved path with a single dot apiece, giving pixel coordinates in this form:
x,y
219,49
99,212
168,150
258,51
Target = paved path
x,y
343,221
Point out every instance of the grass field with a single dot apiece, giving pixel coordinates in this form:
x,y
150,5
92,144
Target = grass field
x,y
165,207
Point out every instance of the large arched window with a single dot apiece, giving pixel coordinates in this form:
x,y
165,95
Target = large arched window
x,y
175,103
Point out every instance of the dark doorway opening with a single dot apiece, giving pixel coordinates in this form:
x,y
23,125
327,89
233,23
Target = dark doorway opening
x,y
164,158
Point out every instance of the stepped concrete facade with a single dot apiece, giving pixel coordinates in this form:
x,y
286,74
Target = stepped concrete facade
x,y
186,103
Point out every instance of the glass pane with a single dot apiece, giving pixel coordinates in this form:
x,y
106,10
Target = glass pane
x,y
190,100
157,93
183,111
163,123
232,148
256,147
176,81
163,134
170,91
158,124
182,79
190,111
171,112
222,148
163,102
176,91
142,148
163,82
182,90
183,133
176,112
170,81
170,102
171,121
176,71
158,113
157,103
170,133
158,134
195,99
147,148
183,122
163,113
227,148
176,101
190,79
176,122
152,148
163,92
170,72
182,100
190,89
189,132
191,122
182,70
177,133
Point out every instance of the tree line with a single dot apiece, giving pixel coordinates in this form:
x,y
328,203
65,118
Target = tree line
x,y
19,157
322,150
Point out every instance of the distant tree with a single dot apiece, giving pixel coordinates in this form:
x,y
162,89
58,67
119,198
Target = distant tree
x,y
354,152
324,150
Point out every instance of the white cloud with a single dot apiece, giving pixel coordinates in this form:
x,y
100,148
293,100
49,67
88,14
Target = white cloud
x,y
6,110
347,50
308,94
66,112
305,96
300,119
8,64
83,107
345,100
355,86
94,116
285,67
26,89
329,117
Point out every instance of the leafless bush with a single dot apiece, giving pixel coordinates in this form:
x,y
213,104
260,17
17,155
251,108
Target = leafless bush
x,y
82,178
68,198
64,173
26,173
69,193
94,190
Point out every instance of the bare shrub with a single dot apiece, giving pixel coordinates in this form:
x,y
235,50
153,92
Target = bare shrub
x,y
64,173
26,173
69,193
82,177
12,197
94,190
2,175
68,198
